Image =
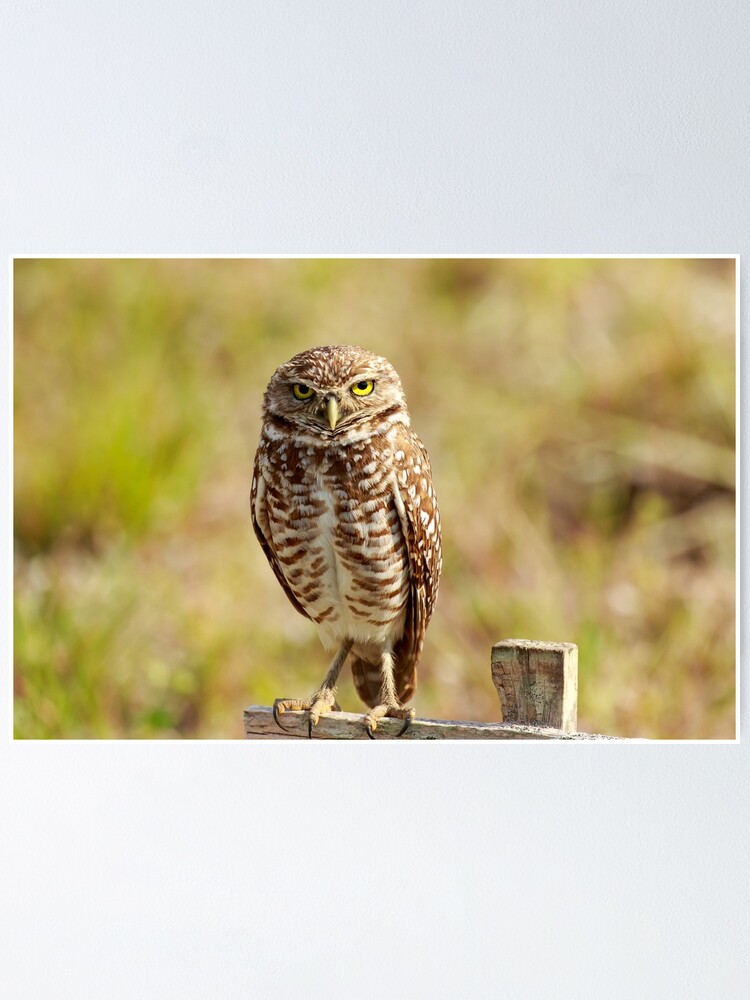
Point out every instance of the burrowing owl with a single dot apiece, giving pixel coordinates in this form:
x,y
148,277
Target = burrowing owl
x,y
344,509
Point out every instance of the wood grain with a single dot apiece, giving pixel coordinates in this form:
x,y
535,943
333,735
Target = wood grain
x,y
537,682
260,725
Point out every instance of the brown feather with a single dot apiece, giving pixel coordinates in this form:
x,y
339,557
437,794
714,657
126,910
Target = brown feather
x,y
425,563
266,544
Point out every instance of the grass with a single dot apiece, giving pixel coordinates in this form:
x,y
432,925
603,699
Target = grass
x,y
580,419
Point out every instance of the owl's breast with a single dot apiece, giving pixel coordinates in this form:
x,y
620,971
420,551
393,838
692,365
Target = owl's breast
x,y
337,537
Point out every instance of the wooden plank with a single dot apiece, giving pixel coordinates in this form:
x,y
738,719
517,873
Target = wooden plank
x,y
537,682
261,725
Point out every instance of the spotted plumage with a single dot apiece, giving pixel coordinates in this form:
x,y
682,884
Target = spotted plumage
x,y
344,509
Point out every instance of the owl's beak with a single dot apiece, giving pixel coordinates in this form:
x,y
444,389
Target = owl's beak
x,y
332,411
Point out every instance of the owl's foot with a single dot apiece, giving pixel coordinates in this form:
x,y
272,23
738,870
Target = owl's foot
x,y
320,702
393,712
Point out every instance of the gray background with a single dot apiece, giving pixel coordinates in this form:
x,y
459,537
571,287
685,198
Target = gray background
x,y
195,870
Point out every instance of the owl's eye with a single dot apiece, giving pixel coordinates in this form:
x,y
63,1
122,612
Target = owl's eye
x,y
363,388
301,391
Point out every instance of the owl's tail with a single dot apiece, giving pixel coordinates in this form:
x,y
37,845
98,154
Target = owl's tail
x,y
368,678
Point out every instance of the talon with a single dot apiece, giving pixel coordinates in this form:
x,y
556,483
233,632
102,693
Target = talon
x,y
276,717
406,725
368,727
309,727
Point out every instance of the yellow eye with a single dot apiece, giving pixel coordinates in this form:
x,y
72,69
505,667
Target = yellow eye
x,y
363,388
301,391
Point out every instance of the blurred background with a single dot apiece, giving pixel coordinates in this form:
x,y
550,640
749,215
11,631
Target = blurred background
x,y
579,415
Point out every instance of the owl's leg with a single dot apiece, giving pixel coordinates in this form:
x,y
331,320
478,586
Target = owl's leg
x,y
389,705
322,700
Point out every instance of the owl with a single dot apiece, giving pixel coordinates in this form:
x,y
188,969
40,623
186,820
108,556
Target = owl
x,y
345,512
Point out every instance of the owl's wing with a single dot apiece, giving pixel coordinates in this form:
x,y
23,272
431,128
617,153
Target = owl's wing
x,y
420,522
262,528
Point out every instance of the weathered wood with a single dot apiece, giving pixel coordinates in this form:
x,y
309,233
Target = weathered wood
x,y
261,725
537,682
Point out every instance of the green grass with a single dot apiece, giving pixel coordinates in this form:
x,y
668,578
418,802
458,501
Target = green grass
x,y
579,416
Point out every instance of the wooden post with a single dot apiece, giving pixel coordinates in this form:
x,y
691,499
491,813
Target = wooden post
x,y
537,682
261,725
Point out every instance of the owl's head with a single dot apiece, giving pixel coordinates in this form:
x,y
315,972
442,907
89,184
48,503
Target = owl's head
x,y
329,388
